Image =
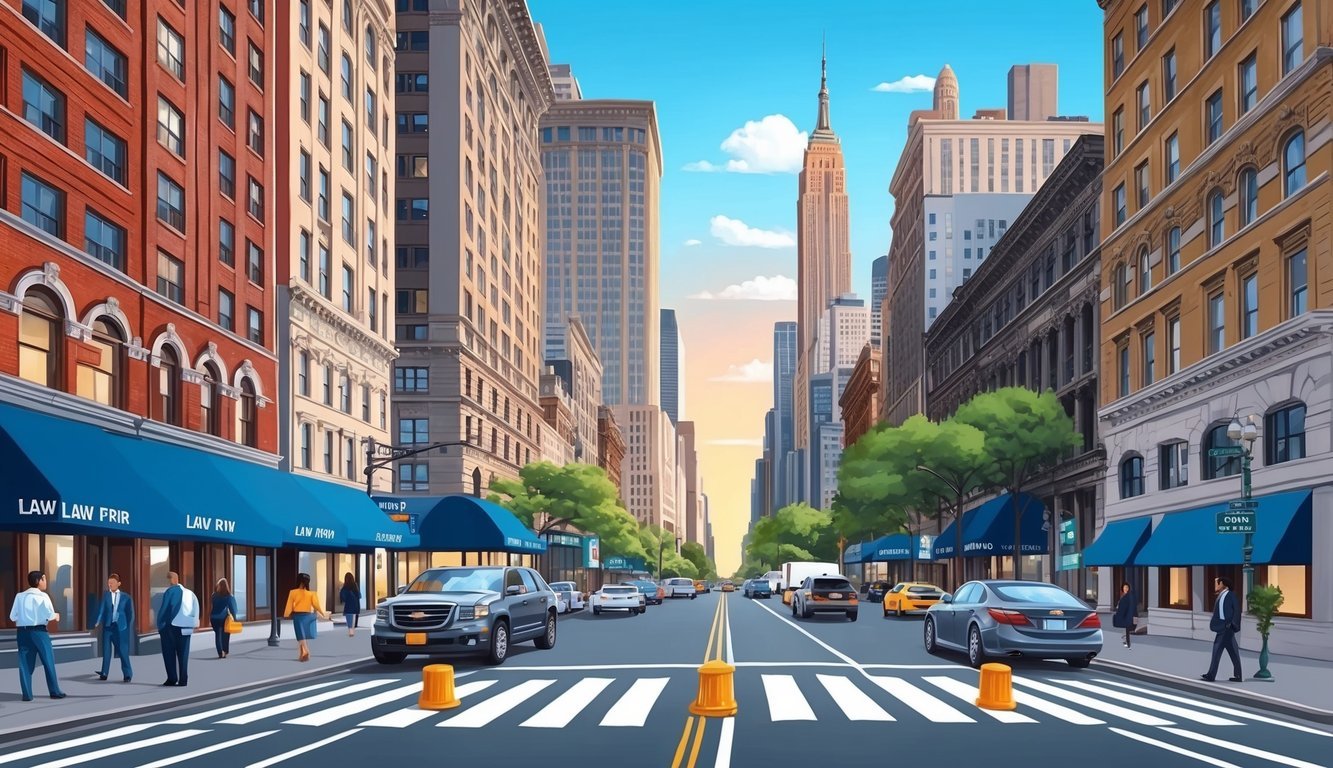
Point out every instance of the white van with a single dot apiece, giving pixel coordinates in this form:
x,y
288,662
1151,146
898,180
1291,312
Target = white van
x,y
679,587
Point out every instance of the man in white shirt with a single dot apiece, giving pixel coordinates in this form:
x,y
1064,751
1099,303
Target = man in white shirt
x,y
177,617
32,610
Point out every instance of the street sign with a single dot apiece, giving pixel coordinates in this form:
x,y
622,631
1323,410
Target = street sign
x,y
1235,522
1234,450
1243,504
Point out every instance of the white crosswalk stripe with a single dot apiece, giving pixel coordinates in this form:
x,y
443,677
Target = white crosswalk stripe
x,y
204,715
82,741
853,702
785,701
934,709
969,693
569,704
120,749
488,710
402,718
278,709
632,710
353,708
1243,749
1139,701
1138,718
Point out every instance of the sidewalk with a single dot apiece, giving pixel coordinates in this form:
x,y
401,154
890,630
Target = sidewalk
x,y
251,664
1300,687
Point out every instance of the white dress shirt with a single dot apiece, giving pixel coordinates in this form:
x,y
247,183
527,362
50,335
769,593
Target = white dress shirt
x,y
115,606
1222,604
187,618
32,608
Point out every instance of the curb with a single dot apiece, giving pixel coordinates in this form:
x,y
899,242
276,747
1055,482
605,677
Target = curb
x,y
1228,693
50,726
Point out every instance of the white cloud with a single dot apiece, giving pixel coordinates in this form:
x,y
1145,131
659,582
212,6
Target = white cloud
x,y
739,442
754,372
907,84
692,242
761,288
771,145
737,232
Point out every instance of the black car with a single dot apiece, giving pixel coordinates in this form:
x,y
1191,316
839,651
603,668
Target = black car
x,y
876,590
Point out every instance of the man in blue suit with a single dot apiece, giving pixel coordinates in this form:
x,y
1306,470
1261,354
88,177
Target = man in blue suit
x,y
1225,624
175,646
116,618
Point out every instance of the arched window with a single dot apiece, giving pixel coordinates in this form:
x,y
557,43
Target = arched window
x,y
210,401
1131,476
1218,466
101,380
1293,164
370,46
1284,433
476,482
40,344
246,432
1120,280
1145,272
1217,230
168,387
1248,188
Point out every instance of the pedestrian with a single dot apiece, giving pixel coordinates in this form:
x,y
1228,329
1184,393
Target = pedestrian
x,y
32,610
1126,611
1225,623
302,608
116,618
176,620
224,605
350,597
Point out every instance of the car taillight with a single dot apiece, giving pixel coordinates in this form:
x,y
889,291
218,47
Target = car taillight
x,y
1012,618
1092,622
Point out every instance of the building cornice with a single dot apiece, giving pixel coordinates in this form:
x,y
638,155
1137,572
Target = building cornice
x,y
318,306
518,29
609,108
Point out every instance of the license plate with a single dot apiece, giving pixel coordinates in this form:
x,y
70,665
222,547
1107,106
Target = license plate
x,y
835,595
1056,624
416,638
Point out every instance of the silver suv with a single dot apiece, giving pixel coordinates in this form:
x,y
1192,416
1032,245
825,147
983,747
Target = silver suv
x,y
465,609
824,594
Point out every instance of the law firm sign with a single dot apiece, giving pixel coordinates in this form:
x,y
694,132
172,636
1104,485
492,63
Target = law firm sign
x,y
1235,521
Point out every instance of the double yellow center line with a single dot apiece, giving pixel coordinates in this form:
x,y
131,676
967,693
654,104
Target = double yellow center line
x,y
714,651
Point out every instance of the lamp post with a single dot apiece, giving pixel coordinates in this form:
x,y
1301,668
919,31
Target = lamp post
x,y
1248,431
958,520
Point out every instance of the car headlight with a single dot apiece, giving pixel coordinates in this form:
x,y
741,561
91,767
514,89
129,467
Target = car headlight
x,y
469,613
382,613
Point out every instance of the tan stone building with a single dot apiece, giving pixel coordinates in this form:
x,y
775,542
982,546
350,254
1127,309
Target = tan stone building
x,y
648,476
692,506
574,358
558,413
610,446
860,399
1215,304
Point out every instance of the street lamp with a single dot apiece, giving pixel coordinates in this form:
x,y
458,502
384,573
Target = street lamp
x,y
1247,431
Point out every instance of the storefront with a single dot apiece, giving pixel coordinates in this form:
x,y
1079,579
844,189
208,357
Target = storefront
x,y
616,569
991,533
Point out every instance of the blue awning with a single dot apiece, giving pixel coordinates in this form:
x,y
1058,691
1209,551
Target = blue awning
x,y
1282,535
895,546
852,554
1119,542
988,530
460,523
366,526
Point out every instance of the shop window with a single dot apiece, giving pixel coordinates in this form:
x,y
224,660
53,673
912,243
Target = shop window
x,y
159,564
1174,587
1131,477
1284,434
1173,465
40,339
1294,581
1218,466
240,584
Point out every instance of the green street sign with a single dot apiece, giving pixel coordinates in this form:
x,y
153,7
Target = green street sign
x,y
1243,504
1235,522
1234,450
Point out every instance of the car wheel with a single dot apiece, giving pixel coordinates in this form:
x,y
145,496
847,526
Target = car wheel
x,y
900,610
596,611
547,640
794,614
1079,663
851,615
976,654
693,596
931,648
499,650
384,657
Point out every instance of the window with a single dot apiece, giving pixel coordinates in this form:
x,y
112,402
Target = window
x,y
226,309
371,47
1169,68
306,438
1249,84
1218,466
345,71
371,242
372,170
1118,201
227,174
255,198
1173,251
1145,272
414,257
413,122
105,151
170,126
1284,434
1213,117
1141,27
1172,157
323,53
255,64
1174,585
328,384
1117,56
41,339
254,263
371,111
413,431
303,374
324,287
1131,477
104,240
305,255
1297,284
226,242
413,82
303,173
1141,182
413,477
1173,465
170,50
413,209
48,16
1122,370
1247,9
226,102
209,401
349,284
255,133
257,10
247,432
348,222
1212,29
323,120
1217,323
411,379
1293,164
171,277
1149,358
227,29
1145,105
44,106
328,453
345,394
372,309
412,301
43,205
323,208
1248,190
106,63
168,387
1118,130
1217,229
412,41
1173,342
254,326
349,457
1293,40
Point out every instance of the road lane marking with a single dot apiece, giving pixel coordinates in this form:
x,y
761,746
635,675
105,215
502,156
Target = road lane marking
x,y
633,708
933,708
713,631
722,630
483,713
568,705
853,702
698,741
848,659
1272,757
1133,716
412,715
196,717
1072,716
324,717
82,741
1174,748
785,701
843,665
176,759
1157,706
731,657
684,740
119,749
724,742
1231,711
285,756
279,709
969,693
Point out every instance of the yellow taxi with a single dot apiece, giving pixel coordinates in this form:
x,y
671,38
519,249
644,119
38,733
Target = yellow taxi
x,y
910,596
728,587
700,587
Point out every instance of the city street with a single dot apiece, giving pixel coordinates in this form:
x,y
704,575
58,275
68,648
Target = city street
x,y
619,686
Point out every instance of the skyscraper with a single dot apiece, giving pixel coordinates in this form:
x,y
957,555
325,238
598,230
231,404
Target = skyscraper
x,y
673,383
1033,91
879,288
784,374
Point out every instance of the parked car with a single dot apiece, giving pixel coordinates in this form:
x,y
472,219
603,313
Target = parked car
x,y
875,590
824,594
575,600
652,593
1028,619
679,588
618,597
727,586
757,588
479,609
911,597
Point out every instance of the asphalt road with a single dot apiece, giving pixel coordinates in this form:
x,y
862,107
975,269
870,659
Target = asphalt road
x,y
617,688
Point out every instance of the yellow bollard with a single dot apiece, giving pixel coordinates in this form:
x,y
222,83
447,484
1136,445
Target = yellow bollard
x,y
716,690
437,688
997,687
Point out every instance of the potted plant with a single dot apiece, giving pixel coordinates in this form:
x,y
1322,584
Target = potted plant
x,y
1264,602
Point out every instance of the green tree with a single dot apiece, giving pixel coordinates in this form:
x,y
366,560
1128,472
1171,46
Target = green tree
x,y
580,495
951,463
696,555
795,532
1026,432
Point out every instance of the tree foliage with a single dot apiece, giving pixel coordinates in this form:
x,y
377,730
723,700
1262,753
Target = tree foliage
x,y
658,541
795,532
580,495
698,556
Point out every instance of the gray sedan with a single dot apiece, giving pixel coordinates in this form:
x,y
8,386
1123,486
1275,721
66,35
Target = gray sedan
x,y
1028,619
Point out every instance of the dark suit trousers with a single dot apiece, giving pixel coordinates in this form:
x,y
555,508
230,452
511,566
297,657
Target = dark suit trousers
x,y
175,654
35,645
117,640
1225,640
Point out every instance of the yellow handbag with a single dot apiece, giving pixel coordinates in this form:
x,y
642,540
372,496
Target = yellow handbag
x,y
231,626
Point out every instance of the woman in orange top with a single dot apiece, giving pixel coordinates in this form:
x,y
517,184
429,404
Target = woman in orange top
x,y
302,608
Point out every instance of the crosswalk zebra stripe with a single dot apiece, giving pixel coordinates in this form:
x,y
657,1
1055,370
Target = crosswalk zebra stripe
x,y
569,704
1058,711
357,706
934,709
196,717
278,709
285,756
1157,706
483,713
785,701
1272,757
968,693
853,702
119,749
1173,748
1138,718
81,741
402,718
208,750
633,708
1225,710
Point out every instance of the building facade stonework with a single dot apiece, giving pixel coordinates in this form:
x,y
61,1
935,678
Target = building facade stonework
x,y
610,447
860,400
575,359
